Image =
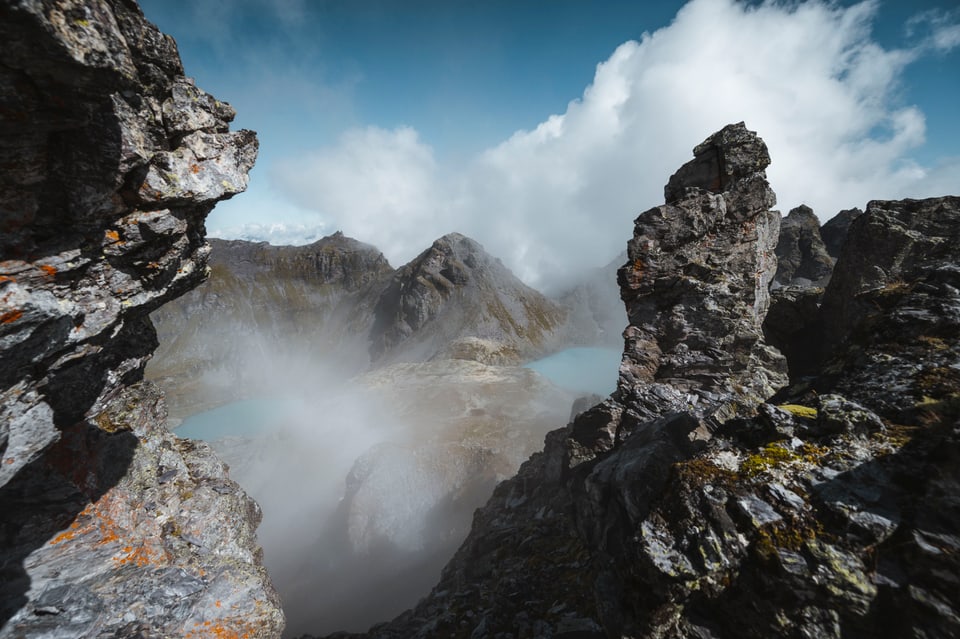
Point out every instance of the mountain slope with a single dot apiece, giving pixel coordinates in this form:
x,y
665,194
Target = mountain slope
x,y
265,308
453,290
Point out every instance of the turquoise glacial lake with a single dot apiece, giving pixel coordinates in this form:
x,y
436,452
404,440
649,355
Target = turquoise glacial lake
x,y
245,418
582,369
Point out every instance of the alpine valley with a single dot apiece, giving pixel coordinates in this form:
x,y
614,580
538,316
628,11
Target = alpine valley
x,y
372,452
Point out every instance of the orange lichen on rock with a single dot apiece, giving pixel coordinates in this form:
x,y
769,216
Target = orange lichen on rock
x,y
108,521
227,628
48,270
10,316
112,235
140,556
75,527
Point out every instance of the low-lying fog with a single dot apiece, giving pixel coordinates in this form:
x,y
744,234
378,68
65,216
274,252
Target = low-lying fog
x,y
368,485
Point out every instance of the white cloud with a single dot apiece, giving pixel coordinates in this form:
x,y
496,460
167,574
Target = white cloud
x,y
937,29
278,233
561,198
379,186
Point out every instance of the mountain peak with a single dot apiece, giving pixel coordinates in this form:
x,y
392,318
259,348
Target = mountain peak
x,y
455,285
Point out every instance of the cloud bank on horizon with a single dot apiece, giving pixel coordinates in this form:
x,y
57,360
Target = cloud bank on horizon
x,y
558,199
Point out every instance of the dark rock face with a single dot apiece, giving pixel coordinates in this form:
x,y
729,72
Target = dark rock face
x,y
793,327
456,289
892,313
834,231
111,160
834,515
803,270
802,257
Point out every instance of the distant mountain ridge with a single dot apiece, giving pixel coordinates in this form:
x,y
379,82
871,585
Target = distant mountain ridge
x,y
266,302
340,301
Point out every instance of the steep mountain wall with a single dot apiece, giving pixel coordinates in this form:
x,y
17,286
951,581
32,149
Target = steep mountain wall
x,y
111,158
686,505
802,256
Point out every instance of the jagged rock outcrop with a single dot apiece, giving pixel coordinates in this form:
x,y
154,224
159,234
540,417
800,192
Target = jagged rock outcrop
x,y
832,516
696,286
456,289
893,311
111,160
802,257
834,231
264,311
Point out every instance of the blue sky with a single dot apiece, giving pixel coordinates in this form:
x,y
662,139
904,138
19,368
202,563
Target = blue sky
x,y
541,128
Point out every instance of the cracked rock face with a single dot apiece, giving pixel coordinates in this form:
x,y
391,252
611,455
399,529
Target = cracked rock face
x,y
802,257
111,161
696,285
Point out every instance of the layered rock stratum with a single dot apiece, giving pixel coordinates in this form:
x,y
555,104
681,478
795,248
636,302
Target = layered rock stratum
x,y
694,502
111,159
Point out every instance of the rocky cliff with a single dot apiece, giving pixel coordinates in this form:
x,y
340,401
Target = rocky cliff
x,y
686,504
834,231
111,160
804,267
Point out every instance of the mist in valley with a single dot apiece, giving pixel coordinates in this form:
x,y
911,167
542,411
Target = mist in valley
x,y
367,482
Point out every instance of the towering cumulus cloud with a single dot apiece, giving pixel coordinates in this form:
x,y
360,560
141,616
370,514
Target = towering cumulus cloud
x,y
559,198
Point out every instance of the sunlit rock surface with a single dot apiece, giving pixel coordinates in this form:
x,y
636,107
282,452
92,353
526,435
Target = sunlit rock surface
x,y
111,160
831,513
